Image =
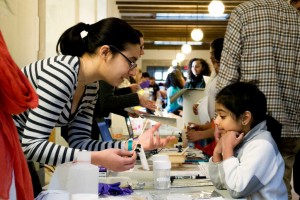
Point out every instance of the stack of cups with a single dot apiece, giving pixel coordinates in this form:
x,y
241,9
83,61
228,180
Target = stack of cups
x,y
161,172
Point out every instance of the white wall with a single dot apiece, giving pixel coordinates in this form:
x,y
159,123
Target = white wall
x,y
19,25
87,11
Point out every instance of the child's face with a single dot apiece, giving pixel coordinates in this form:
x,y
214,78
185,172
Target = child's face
x,y
224,120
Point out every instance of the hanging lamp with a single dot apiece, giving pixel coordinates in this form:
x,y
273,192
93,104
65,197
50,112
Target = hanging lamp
x,y
216,8
197,33
186,48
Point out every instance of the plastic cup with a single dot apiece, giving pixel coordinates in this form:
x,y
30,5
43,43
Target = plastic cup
x,y
116,133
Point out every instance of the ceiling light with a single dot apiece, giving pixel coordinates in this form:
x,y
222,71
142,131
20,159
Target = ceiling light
x,y
216,8
175,43
174,62
186,48
197,34
180,57
193,16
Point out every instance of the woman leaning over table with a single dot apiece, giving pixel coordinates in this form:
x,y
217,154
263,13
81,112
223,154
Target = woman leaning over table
x,y
67,88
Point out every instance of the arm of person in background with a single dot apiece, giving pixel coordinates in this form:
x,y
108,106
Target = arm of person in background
x,y
126,90
108,102
194,135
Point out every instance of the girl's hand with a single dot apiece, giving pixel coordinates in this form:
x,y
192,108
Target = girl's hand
x,y
114,159
217,155
229,141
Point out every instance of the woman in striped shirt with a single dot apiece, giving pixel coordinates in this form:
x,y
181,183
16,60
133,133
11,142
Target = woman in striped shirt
x,y
67,87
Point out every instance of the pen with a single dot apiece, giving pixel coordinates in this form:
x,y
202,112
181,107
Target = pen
x,y
172,178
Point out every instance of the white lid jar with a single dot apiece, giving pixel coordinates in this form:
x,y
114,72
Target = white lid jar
x,y
161,174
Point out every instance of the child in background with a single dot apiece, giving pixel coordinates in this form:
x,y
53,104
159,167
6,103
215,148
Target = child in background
x,y
246,160
174,83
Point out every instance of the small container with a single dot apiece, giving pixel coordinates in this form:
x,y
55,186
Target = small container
x,y
83,176
161,174
84,197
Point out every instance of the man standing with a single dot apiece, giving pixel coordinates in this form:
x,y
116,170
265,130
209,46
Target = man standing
x,y
262,44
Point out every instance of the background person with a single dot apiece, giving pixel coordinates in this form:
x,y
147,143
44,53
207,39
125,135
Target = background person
x,y
258,48
203,133
197,68
174,83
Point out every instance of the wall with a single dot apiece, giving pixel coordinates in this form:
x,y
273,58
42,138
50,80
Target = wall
x,y
19,25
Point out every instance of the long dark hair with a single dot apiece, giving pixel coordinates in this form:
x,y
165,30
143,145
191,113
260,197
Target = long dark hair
x,y
217,47
173,79
205,72
108,31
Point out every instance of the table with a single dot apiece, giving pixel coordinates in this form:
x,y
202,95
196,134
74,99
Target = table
x,y
138,175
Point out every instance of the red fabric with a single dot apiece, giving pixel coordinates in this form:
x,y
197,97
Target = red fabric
x,y
16,95
209,148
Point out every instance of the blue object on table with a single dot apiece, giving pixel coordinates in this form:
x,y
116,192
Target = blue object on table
x,y
113,189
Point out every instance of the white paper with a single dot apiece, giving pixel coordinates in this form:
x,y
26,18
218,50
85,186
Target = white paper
x,y
203,112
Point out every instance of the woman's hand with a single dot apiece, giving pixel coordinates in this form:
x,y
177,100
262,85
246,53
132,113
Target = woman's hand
x,y
150,141
114,159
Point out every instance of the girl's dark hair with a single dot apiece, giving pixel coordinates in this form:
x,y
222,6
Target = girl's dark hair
x,y
205,72
217,46
108,31
240,97
173,80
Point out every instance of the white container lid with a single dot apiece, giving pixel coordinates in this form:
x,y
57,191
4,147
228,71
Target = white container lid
x,y
162,165
160,157
84,196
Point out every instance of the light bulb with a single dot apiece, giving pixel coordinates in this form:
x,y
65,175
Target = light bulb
x,y
216,8
197,34
186,48
174,62
180,57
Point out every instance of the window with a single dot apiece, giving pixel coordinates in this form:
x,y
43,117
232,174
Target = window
x,y
160,73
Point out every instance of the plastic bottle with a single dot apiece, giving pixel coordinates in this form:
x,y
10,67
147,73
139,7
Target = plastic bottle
x,y
83,176
161,174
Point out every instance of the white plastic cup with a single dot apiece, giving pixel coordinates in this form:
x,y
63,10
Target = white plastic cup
x,y
161,174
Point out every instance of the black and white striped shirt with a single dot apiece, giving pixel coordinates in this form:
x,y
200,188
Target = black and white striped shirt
x,y
55,81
